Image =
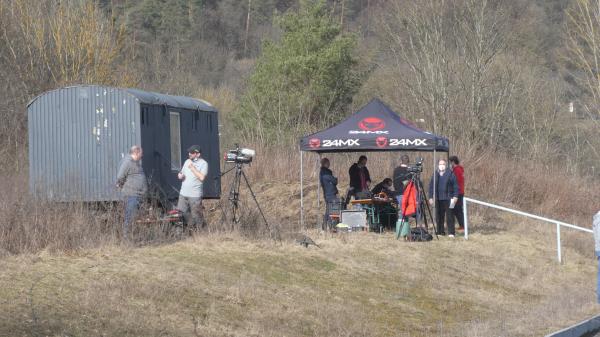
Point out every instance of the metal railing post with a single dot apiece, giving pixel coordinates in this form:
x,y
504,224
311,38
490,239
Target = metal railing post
x,y
559,224
558,243
466,220
301,193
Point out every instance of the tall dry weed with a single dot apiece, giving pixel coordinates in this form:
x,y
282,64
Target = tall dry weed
x,y
28,225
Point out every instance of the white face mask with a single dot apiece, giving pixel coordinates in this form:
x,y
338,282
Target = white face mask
x,y
442,167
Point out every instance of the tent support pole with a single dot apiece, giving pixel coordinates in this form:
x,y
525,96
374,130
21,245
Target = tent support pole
x,y
318,183
434,196
301,193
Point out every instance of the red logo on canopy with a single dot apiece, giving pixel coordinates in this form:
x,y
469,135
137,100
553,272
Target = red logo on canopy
x,y
381,141
314,143
371,124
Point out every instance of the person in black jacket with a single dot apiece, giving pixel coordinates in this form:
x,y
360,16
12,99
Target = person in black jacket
x,y
387,214
329,185
386,187
360,179
401,177
445,191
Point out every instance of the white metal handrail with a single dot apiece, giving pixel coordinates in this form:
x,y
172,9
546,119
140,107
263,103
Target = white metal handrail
x,y
533,216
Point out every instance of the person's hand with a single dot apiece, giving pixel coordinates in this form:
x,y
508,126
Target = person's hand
x,y
191,165
180,176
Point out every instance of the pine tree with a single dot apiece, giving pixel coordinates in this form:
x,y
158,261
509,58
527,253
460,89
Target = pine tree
x,y
305,80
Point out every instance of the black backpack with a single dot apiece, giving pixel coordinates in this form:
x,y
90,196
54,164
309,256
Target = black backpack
x,y
420,234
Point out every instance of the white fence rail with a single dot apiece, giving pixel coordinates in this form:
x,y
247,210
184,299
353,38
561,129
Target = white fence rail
x,y
502,208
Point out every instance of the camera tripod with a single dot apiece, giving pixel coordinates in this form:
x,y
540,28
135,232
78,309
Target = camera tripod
x,y
234,194
423,208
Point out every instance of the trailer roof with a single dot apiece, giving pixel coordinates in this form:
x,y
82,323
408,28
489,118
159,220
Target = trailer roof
x,y
149,97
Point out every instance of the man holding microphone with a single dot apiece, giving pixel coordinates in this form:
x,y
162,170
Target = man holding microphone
x,y
192,175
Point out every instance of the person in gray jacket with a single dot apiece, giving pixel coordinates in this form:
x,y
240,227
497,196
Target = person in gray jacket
x,y
131,180
596,227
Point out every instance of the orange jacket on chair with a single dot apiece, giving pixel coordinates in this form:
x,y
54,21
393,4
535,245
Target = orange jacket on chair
x,y
409,200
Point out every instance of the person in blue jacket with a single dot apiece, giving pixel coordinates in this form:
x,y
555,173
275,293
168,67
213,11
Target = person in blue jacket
x,y
445,191
329,185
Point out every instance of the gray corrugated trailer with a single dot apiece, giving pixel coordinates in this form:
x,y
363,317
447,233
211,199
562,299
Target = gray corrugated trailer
x,y
79,135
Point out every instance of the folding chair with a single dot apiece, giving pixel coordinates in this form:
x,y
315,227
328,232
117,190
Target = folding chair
x,y
334,213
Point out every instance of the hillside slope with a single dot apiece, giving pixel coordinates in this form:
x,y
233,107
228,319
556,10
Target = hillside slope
x,y
357,284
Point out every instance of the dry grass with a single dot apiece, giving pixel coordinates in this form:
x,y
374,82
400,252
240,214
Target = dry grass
x,y
64,273
496,284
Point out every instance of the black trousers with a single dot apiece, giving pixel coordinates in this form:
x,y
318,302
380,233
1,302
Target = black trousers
x,y
443,212
457,212
348,196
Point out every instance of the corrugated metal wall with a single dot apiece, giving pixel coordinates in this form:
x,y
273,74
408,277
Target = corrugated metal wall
x,y
77,138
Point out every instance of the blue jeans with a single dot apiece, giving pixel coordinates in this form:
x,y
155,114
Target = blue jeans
x,y
132,204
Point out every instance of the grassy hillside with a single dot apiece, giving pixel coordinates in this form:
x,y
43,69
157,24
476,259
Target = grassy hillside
x,y
357,284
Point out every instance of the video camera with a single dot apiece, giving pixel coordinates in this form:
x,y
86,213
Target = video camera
x,y
418,167
239,155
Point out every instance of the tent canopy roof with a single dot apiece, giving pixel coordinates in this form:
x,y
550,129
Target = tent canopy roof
x,y
375,127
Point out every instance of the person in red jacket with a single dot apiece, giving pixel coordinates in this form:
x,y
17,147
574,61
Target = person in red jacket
x,y
459,173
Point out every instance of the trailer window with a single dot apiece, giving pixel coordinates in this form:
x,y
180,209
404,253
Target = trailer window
x,y
175,141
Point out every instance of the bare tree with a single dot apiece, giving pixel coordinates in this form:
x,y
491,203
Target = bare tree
x,y
583,42
480,37
48,44
417,39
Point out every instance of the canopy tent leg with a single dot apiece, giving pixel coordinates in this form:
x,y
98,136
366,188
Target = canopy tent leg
x,y
434,196
301,193
318,183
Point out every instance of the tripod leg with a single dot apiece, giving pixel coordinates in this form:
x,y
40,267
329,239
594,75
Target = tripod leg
x,y
236,199
234,193
256,201
428,209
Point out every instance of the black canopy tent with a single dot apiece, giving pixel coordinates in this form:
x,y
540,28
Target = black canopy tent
x,y
375,127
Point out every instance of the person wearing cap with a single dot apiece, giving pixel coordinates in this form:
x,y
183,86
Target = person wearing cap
x,y
192,175
131,180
